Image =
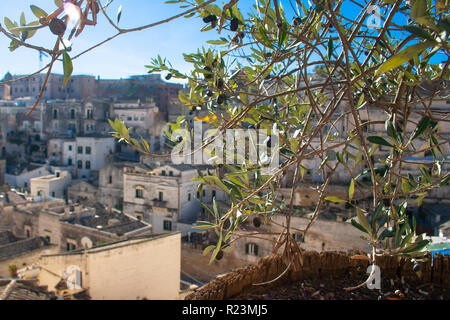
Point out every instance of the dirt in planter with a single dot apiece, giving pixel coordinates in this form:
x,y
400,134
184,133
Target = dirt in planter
x,y
333,289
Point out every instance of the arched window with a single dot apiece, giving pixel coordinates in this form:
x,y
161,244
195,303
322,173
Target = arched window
x,y
139,192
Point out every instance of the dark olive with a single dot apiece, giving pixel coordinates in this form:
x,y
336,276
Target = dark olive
x,y
297,21
207,75
168,76
57,26
179,139
219,255
209,93
257,222
219,84
208,19
221,99
417,267
234,25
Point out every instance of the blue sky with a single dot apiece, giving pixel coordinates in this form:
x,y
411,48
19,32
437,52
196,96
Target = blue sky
x,y
129,53
123,56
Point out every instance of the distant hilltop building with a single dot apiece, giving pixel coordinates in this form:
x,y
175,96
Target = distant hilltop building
x,y
81,87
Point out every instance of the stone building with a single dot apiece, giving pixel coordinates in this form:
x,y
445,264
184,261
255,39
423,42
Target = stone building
x,y
69,226
165,196
21,252
83,192
83,155
54,185
135,269
82,87
75,117
19,177
79,86
142,117
143,87
110,182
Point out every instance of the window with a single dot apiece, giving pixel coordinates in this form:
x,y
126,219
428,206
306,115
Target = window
x,y
48,239
88,150
170,173
70,147
69,161
251,248
72,114
80,164
110,179
160,196
298,237
89,113
70,246
139,192
167,225
55,114
213,194
163,173
139,215
53,194
189,197
27,230
88,165
80,150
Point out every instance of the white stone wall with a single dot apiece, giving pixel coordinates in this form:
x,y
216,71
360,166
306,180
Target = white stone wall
x,y
129,270
20,180
51,185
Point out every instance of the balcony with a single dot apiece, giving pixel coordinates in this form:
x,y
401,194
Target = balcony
x,y
159,203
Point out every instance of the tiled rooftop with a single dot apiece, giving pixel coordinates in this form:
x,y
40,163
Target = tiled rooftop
x,y
15,290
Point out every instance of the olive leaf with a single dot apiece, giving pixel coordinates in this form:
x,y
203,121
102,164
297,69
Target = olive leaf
x,y
67,67
403,56
38,12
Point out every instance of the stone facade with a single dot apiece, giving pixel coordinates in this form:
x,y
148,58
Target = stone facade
x,y
164,196
84,155
110,183
54,185
75,117
79,87
83,192
23,253
69,226
147,268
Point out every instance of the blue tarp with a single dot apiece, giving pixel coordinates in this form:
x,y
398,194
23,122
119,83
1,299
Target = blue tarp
x,y
443,252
